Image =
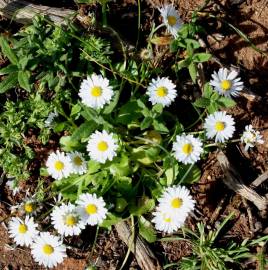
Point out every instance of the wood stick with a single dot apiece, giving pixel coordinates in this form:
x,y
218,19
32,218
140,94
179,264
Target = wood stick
x,y
23,12
144,256
233,180
259,180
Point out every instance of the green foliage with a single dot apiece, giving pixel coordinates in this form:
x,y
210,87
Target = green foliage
x,y
208,253
15,120
212,101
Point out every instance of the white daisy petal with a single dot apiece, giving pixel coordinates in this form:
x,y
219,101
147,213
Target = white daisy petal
x,y
102,146
177,202
91,208
59,165
165,222
95,91
187,149
23,232
219,125
171,19
162,91
66,220
79,165
226,83
251,137
13,186
48,250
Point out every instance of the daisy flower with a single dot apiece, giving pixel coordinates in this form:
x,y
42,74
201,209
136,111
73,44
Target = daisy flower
x,y
166,222
13,186
78,162
91,208
250,137
23,232
59,165
29,206
187,149
162,91
95,91
176,202
219,125
66,220
171,19
226,83
48,250
51,117
102,146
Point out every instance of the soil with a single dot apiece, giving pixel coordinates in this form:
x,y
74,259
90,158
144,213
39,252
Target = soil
x,y
251,17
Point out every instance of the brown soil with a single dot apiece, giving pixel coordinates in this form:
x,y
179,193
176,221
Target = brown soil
x,y
251,17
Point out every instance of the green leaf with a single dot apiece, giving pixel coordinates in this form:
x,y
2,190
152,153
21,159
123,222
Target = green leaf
x,y
201,57
195,44
93,166
8,69
146,123
171,174
158,126
146,230
202,102
84,131
183,63
23,78
67,144
9,82
193,71
129,112
226,102
213,107
108,109
208,90
75,109
110,220
120,166
144,206
59,127
7,51
192,176
158,108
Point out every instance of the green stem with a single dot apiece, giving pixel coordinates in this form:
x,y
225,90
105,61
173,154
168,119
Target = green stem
x,y
131,243
218,144
104,14
186,174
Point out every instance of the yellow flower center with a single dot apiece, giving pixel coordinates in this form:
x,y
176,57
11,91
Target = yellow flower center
x,y
171,20
91,209
96,91
187,149
102,146
29,207
167,220
226,85
78,161
22,228
176,203
70,220
59,165
161,91
219,126
48,249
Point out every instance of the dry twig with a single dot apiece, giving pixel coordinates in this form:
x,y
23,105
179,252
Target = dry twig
x,y
23,11
144,256
233,180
